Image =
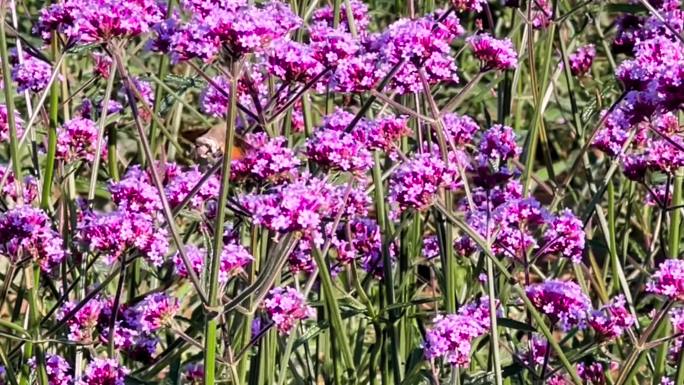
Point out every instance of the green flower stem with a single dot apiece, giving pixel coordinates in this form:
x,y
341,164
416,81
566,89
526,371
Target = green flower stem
x,y
212,320
9,103
676,218
52,136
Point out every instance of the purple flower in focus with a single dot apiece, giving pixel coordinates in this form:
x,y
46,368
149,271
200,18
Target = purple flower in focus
x,y
82,325
565,236
415,183
668,281
286,306
26,232
451,336
103,371
293,62
57,369
156,311
265,159
338,150
359,12
30,74
77,140
563,303
611,320
494,54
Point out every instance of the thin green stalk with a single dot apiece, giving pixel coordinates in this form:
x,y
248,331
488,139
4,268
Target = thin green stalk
x,y
212,321
334,311
100,134
9,104
496,356
52,138
676,218
536,125
611,236
159,90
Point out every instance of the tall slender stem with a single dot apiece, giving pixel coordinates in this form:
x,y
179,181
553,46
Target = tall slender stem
x,y
212,321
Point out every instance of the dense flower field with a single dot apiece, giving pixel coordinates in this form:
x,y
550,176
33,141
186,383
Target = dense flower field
x,y
341,192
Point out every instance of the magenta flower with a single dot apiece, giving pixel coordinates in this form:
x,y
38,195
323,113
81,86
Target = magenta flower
x,y
592,373
57,369
668,281
86,22
563,303
4,125
83,324
611,320
297,206
430,247
156,311
338,150
239,28
265,159
581,60
332,46
77,140
359,13
383,133
103,371
179,186
26,232
293,62
451,336
415,183
494,54
9,190
30,74
541,14
418,45
286,306
565,236
459,129
193,374
114,233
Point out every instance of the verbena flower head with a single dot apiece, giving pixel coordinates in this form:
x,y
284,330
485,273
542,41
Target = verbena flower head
x,y
30,74
459,129
592,373
430,247
9,190
57,369
293,62
26,232
451,336
383,133
104,371
611,320
82,325
286,306
157,310
541,14
114,233
331,46
359,12
4,124
494,54
565,236
265,160
582,59
668,281
77,140
297,206
563,303
415,183
238,28
418,45
179,186
338,150
86,22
